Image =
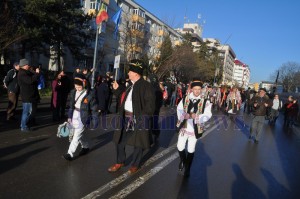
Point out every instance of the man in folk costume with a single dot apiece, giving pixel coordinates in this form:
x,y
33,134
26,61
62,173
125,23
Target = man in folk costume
x,y
233,101
137,106
192,112
82,114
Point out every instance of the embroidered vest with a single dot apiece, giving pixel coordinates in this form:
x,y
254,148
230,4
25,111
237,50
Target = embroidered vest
x,y
194,107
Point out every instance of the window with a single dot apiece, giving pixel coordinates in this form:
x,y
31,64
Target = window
x,y
139,13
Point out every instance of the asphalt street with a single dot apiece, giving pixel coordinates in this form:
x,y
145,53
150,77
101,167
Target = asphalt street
x,y
226,164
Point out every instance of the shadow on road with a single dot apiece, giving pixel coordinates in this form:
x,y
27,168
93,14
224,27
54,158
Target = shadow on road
x,y
196,185
12,163
275,189
243,188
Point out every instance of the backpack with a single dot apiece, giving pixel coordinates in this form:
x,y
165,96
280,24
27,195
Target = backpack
x,y
4,79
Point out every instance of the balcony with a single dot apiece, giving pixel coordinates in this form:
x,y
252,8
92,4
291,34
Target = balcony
x,y
137,18
158,44
92,12
160,32
177,43
137,33
135,48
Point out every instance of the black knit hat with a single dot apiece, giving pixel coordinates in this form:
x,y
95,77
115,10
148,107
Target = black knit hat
x,y
263,89
80,80
136,66
196,82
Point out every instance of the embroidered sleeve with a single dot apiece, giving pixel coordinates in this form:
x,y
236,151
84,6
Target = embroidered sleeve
x,y
202,118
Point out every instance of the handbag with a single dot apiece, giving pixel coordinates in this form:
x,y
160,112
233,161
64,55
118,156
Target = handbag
x,y
65,130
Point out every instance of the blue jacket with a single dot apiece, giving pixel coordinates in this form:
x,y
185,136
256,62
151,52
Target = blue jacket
x,y
88,109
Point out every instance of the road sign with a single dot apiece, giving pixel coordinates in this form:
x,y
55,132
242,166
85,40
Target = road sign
x,y
117,61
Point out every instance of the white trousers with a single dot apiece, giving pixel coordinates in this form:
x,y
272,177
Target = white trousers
x,y
183,138
78,136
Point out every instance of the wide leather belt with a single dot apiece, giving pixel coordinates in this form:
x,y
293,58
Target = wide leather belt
x,y
128,114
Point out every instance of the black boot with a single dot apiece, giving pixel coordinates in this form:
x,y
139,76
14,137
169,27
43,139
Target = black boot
x,y
182,156
188,164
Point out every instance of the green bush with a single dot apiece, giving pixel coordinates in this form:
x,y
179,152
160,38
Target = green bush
x,y
46,92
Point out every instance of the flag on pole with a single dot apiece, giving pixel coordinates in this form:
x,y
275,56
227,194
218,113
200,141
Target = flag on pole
x,y
116,19
102,15
277,77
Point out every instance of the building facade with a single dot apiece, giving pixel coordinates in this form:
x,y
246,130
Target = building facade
x,y
241,74
195,30
140,34
226,58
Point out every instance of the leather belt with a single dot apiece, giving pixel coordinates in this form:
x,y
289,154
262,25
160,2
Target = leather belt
x,y
128,114
77,109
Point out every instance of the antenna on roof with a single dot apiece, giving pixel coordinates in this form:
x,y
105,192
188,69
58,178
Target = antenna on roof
x,y
185,17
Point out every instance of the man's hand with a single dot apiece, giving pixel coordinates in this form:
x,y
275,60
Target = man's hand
x,y
37,70
255,104
266,105
193,116
187,116
69,120
115,85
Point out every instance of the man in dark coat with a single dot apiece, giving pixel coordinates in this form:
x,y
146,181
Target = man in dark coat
x,y
260,104
27,80
136,109
11,83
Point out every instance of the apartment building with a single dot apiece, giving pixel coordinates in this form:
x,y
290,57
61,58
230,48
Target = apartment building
x,y
140,33
241,74
226,57
195,30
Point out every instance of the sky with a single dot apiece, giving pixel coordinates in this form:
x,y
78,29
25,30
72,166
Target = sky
x,y
264,34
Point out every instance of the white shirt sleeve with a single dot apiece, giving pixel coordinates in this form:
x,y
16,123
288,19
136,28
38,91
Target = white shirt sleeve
x,y
180,111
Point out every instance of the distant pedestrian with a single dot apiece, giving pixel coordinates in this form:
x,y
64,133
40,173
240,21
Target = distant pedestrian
x,y
82,114
102,95
260,103
60,91
233,101
11,84
274,112
291,112
27,80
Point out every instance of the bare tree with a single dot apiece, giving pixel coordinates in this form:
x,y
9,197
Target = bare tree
x,y
289,76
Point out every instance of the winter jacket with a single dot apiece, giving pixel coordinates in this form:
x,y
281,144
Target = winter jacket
x,y
260,109
11,81
28,81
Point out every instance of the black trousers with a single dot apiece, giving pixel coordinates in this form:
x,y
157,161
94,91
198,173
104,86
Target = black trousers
x,y
12,104
121,153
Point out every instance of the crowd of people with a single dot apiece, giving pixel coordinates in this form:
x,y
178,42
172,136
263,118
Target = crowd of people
x,y
138,105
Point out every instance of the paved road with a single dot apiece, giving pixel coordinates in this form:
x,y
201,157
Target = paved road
x,y
226,165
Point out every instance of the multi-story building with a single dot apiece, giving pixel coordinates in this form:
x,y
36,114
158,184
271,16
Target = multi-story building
x,y
226,58
140,33
241,74
195,31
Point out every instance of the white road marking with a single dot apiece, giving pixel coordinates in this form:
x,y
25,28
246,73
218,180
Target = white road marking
x,y
126,175
114,183
141,180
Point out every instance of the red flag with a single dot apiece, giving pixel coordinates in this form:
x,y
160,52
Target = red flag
x,y
102,15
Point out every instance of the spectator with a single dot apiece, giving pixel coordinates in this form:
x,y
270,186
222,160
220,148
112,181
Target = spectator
x,y
60,91
27,80
274,113
13,90
102,95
